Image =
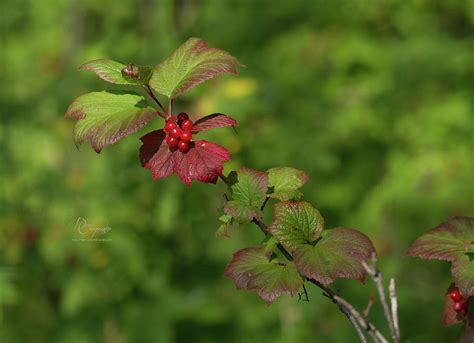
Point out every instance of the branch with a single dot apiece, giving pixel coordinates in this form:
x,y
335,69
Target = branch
x,y
356,319
377,278
152,95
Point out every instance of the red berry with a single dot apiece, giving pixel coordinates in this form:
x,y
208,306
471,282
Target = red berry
x,y
464,303
463,312
176,132
458,307
455,295
186,136
170,125
173,117
172,141
182,117
187,125
183,146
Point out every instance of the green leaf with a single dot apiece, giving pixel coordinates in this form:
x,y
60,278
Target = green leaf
x,y
223,230
106,117
251,270
447,241
463,272
247,194
190,65
295,223
115,72
337,254
270,244
285,182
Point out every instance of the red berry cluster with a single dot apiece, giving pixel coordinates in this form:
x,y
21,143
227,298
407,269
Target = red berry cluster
x,y
460,304
179,133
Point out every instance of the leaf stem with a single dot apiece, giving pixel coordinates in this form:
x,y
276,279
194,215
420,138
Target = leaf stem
x,y
152,95
170,106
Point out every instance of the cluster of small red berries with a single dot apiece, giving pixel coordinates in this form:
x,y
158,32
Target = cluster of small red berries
x,y
460,303
178,134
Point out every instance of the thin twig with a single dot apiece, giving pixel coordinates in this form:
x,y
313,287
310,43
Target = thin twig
x,y
365,313
364,323
394,307
358,329
152,95
377,278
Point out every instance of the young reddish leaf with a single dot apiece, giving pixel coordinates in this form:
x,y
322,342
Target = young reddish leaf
x,y
213,121
251,270
285,182
203,161
463,272
190,65
337,254
247,193
296,223
450,316
447,241
106,117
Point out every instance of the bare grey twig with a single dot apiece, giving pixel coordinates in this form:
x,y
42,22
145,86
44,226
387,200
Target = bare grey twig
x,y
377,278
394,306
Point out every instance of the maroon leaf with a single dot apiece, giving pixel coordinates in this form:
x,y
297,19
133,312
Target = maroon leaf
x,y
156,155
251,270
203,162
450,316
213,121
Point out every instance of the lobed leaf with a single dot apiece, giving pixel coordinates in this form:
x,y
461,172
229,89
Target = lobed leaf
x,y
106,117
203,161
296,223
285,182
337,254
190,65
247,194
447,241
213,121
112,71
251,270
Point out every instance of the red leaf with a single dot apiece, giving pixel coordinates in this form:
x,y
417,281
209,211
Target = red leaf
x,y
203,161
450,316
213,121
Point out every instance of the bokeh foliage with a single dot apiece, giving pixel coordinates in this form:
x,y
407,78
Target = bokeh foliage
x,y
372,99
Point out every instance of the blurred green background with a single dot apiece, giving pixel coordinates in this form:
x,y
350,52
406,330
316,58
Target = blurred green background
x,y
373,99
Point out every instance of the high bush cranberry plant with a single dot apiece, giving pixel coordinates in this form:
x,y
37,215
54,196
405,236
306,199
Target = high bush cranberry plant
x,y
297,248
